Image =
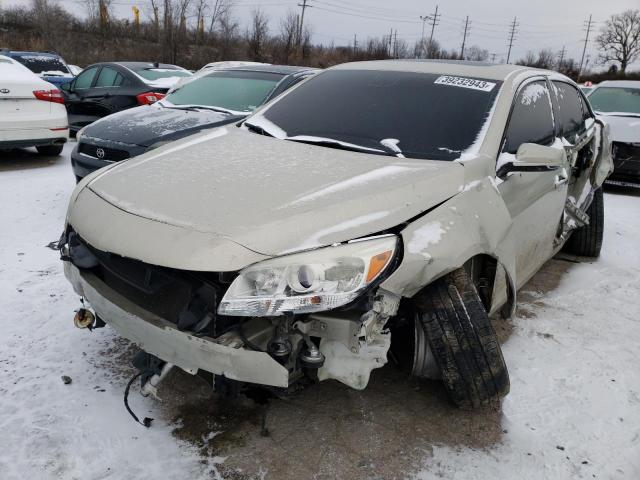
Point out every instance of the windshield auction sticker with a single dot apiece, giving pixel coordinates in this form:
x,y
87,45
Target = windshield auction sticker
x,y
465,83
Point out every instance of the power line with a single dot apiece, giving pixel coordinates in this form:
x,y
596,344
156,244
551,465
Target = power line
x,y
584,49
464,37
512,35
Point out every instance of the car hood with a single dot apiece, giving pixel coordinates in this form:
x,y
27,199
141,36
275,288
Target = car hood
x,y
149,124
272,196
623,128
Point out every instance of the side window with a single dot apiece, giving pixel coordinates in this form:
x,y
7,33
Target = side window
x,y
85,79
109,77
586,113
572,112
531,119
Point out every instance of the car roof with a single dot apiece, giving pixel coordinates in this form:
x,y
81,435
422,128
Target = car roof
x,y
282,69
137,65
492,71
619,84
27,52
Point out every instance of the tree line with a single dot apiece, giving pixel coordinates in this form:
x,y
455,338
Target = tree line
x,y
192,33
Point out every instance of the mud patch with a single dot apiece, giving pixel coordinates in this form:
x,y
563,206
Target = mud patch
x,y
326,430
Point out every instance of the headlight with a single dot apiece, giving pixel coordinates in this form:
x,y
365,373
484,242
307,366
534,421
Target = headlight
x,y
311,281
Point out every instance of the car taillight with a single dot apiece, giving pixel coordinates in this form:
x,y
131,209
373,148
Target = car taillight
x,y
149,97
53,95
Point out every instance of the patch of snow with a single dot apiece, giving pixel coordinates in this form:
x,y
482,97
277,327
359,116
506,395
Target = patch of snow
x,y
574,406
392,144
468,186
472,151
51,430
428,234
532,93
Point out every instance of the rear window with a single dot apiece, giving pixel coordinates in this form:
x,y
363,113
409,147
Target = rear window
x,y
156,73
424,115
238,91
43,63
610,99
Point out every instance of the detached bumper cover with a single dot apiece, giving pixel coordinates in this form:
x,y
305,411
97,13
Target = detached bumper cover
x,y
160,337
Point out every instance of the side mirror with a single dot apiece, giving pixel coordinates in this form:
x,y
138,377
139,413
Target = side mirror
x,y
532,157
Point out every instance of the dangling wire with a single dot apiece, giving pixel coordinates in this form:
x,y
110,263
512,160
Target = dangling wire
x,y
147,421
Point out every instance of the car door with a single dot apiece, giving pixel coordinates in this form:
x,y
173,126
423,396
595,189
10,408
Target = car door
x,y
579,132
81,110
535,199
110,90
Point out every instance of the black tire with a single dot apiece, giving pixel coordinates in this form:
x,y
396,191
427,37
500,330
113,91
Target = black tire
x,y
463,341
50,150
587,241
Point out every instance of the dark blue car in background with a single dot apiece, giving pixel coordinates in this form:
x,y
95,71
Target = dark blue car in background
x,y
47,65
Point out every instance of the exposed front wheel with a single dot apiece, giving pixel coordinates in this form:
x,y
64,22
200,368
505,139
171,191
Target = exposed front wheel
x,y
462,341
50,150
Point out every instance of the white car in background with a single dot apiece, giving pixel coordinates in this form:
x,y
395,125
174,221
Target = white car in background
x,y
32,111
617,102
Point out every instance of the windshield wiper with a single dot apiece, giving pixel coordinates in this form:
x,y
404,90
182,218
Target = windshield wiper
x,y
257,129
195,108
338,144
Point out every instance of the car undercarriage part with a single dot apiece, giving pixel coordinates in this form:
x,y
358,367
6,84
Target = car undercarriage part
x,y
85,318
310,356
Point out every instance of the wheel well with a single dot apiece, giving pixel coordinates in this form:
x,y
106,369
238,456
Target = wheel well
x,y
482,270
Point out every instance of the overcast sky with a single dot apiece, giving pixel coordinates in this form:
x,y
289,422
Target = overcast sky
x,y
550,24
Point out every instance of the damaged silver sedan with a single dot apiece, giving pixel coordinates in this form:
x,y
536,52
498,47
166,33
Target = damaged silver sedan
x,y
378,210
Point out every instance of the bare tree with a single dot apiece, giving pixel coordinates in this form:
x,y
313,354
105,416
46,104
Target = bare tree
x,y
476,54
619,39
228,36
257,35
286,44
221,9
199,9
155,17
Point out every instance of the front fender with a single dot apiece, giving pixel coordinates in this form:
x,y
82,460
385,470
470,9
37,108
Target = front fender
x,y
473,222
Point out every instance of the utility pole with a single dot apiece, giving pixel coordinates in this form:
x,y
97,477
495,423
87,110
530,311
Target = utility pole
x,y
464,37
390,51
584,49
561,55
512,35
424,19
304,6
355,43
395,44
434,22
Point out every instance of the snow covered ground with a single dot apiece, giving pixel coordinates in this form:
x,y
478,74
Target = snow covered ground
x,y
573,354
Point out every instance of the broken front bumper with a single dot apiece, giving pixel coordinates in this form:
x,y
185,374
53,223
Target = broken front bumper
x,y
160,337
